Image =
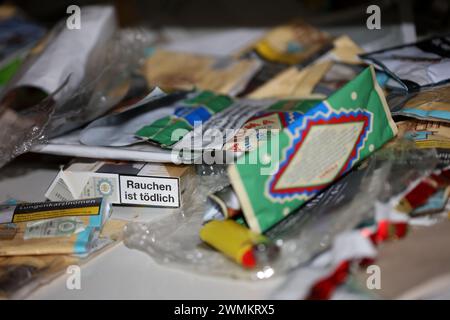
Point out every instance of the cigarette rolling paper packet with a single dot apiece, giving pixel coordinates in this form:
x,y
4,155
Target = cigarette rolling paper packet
x,y
41,228
431,104
312,152
22,274
123,183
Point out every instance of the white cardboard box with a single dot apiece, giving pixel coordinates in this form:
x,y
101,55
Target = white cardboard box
x,y
124,183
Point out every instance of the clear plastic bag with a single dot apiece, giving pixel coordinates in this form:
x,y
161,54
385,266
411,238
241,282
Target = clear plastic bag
x,y
175,239
407,164
304,234
105,83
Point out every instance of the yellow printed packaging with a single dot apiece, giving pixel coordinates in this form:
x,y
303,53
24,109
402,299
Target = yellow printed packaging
x,y
293,43
430,104
425,134
299,83
344,50
233,240
293,83
185,71
20,275
66,227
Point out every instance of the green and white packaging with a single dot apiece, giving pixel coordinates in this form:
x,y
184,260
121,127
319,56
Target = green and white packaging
x,y
307,156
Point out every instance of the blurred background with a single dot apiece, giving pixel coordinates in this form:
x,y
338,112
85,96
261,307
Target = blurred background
x,y
427,16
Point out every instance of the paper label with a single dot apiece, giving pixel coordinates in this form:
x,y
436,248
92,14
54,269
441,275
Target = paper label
x,y
101,186
425,134
150,191
322,155
49,210
112,187
432,104
324,147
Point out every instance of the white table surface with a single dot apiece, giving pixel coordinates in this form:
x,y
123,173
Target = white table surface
x,y
119,272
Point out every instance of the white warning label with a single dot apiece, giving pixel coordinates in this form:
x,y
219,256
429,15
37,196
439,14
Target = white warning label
x,y
149,191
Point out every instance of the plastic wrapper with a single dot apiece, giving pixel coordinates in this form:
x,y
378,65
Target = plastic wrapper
x,y
421,64
402,164
295,82
427,135
19,132
105,85
293,43
199,121
117,129
312,152
174,240
48,66
76,99
17,35
277,116
408,164
42,228
188,112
